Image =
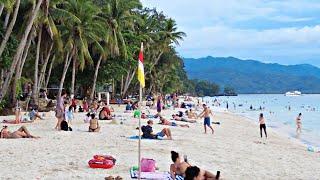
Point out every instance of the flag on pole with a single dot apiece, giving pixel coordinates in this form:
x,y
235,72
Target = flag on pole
x,y
141,68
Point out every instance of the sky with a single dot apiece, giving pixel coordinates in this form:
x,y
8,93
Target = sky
x,y
275,31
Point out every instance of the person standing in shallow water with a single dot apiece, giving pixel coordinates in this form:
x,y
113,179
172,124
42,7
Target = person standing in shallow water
x,y
262,125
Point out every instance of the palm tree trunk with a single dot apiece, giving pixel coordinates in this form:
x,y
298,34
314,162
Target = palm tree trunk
x,y
10,28
20,49
1,78
65,69
6,20
49,71
1,8
25,53
121,87
128,81
95,78
15,84
44,67
73,81
36,69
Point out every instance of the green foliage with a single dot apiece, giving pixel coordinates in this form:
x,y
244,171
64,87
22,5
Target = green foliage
x,y
228,90
205,88
8,53
111,29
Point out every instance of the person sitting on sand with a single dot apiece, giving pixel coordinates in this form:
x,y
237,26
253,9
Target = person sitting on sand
x,y
94,124
128,106
105,114
191,114
33,115
22,132
176,117
163,121
148,132
180,167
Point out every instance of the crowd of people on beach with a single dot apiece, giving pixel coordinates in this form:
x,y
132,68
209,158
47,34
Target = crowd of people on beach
x,y
65,109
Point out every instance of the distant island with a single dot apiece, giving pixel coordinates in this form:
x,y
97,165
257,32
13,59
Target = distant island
x,y
251,76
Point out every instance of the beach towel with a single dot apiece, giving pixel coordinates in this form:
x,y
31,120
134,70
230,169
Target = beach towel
x,y
137,137
153,175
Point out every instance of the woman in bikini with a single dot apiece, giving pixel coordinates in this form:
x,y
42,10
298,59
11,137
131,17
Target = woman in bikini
x,y
179,167
94,124
298,122
22,132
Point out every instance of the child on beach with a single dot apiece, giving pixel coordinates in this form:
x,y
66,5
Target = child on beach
x,y
262,125
206,115
69,114
87,118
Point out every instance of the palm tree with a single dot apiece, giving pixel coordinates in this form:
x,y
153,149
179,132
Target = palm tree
x,y
20,50
80,30
12,23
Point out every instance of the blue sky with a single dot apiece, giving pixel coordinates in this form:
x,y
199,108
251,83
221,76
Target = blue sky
x,y
282,31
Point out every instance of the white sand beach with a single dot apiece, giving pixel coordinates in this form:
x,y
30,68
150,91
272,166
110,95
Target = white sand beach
x,y
65,155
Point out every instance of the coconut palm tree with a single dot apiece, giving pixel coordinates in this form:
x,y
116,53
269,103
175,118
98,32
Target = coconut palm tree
x,y
80,30
20,49
9,7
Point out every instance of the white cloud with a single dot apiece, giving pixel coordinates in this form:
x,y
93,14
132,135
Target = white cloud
x,y
228,27
251,43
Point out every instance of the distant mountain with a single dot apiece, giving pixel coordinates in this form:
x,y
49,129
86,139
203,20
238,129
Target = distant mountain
x,y
250,76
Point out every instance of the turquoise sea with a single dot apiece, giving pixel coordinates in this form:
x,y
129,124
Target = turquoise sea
x,y
275,108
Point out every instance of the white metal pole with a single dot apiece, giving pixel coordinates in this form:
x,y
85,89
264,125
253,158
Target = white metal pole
x,y
139,145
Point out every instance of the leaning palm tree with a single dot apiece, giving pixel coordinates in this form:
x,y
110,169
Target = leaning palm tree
x,y
80,30
20,49
9,6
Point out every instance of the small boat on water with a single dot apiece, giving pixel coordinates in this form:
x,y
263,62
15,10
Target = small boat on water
x,y
293,93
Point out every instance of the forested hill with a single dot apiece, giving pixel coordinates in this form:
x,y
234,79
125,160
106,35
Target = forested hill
x,y
250,76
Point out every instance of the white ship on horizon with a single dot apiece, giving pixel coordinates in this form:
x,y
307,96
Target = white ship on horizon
x,y
293,93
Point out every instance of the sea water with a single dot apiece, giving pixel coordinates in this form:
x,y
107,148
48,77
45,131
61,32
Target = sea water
x,y
280,113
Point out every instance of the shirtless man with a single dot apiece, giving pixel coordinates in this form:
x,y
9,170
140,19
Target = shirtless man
x,y
180,167
22,132
206,114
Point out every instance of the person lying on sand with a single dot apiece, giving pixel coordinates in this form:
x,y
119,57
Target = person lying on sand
x,y
94,124
180,167
177,118
148,132
22,132
163,121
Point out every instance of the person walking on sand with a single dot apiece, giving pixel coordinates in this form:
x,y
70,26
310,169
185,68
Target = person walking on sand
x,y
206,115
60,109
298,122
262,125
